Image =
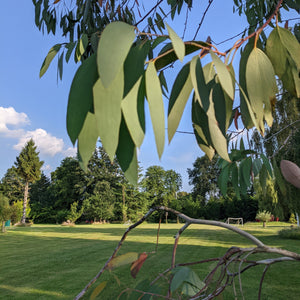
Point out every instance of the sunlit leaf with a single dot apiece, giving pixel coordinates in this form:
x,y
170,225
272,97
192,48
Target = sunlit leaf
x,y
261,86
87,139
98,290
177,43
122,260
219,141
48,59
81,96
156,107
129,107
107,105
223,74
180,93
114,45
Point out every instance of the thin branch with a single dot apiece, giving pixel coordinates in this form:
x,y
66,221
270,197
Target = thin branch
x,y
203,17
148,13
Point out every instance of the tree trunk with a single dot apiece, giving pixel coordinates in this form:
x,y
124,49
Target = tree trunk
x,y
297,217
124,209
3,227
264,224
25,202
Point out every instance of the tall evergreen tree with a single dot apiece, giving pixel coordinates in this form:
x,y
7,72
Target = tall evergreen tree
x,y
28,166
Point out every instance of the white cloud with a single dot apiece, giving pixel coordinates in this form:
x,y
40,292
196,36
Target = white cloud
x,y
47,144
8,116
71,151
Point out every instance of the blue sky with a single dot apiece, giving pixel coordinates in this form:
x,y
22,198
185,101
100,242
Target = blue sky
x,y
36,108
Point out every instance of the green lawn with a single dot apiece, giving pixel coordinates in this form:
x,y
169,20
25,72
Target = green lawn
x,y
56,262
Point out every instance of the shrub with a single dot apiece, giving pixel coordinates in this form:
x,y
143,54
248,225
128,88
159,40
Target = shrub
x,y
264,216
292,219
290,233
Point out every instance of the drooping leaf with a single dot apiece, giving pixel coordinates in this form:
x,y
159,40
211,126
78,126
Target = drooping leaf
x,y
126,154
114,45
136,265
81,96
156,107
261,86
70,46
219,141
223,74
223,178
107,105
122,260
278,177
263,174
48,59
129,108
256,166
180,93
235,178
267,164
60,65
98,289
291,44
198,80
177,43
245,169
87,139
134,65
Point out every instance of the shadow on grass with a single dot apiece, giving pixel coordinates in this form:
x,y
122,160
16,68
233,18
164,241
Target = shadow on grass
x,y
54,267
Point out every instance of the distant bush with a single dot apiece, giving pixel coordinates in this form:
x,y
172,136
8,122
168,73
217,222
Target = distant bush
x,y
290,233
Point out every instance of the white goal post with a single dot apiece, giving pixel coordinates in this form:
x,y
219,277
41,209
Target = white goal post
x,y
237,221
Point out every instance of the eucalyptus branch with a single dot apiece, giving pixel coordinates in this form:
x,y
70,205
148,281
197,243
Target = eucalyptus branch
x,y
148,13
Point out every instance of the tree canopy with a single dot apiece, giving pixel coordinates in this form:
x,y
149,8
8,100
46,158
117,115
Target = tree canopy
x,y
123,59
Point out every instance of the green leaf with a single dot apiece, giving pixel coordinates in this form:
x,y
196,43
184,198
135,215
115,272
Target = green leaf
x,y
48,59
200,87
248,117
87,139
263,178
208,150
122,260
170,55
81,96
60,65
261,86
156,107
278,177
267,164
245,170
177,43
235,178
134,65
219,141
256,166
114,45
223,178
70,46
180,93
129,108
126,154
107,105
291,44
224,75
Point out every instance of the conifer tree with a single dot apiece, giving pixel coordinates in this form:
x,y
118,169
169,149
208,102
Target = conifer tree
x,y
28,167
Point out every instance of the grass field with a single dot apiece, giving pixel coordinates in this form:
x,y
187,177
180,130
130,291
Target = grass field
x,y
56,262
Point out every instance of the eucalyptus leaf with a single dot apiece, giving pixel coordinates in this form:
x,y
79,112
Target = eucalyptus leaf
x,y
107,106
87,139
177,43
48,59
223,75
114,45
156,107
81,96
180,93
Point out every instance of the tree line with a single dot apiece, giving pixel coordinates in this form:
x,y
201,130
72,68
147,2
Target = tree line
x,y
103,193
